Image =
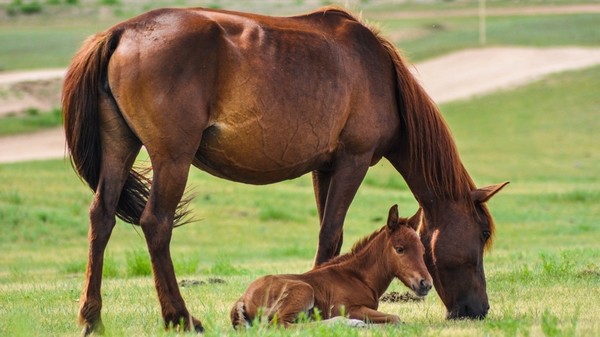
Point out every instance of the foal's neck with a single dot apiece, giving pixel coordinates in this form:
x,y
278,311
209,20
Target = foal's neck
x,y
370,265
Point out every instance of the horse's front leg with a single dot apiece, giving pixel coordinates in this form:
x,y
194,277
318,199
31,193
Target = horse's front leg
x,y
373,316
157,224
341,186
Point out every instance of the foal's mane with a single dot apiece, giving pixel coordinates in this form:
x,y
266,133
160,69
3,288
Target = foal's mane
x,y
356,248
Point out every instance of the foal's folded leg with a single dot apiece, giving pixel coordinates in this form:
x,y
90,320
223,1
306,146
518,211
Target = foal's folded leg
x,y
373,316
298,297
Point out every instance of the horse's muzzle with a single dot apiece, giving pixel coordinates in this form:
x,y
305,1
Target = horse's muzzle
x,y
468,312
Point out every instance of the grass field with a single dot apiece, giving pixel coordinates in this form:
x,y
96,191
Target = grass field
x,y
543,273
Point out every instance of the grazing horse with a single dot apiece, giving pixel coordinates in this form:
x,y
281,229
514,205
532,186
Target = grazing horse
x,y
349,285
258,100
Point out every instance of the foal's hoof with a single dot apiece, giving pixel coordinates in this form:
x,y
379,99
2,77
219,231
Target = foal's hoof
x,y
351,322
356,323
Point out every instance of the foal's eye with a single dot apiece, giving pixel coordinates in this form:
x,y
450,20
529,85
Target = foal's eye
x,y
400,250
486,234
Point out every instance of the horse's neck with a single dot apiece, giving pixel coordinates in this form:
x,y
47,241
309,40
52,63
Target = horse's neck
x,y
370,265
433,185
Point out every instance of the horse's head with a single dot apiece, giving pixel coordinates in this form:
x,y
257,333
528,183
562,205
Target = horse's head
x,y
454,250
407,253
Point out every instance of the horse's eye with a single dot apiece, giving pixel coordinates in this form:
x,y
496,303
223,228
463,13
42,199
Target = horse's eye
x,y
486,234
400,250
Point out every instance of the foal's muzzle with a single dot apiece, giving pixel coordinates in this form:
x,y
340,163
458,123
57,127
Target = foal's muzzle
x,y
422,288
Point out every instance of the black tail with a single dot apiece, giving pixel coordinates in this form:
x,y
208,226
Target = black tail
x,y
84,82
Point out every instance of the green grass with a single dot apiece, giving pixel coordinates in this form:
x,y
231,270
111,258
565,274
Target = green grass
x,y
423,38
543,273
46,44
32,120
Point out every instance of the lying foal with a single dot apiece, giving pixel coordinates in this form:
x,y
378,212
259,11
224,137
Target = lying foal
x,y
348,285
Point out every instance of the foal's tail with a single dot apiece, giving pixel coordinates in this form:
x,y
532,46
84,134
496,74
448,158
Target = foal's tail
x,y
239,319
85,82
430,144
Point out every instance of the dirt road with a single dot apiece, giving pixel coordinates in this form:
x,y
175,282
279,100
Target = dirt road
x,y
455,76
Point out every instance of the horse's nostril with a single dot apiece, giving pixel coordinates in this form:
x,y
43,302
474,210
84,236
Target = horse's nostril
x,y
424,284
486,309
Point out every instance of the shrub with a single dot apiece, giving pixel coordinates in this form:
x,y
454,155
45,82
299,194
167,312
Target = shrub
x,y
31,8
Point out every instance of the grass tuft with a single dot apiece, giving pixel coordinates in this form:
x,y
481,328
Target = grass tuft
x,y
138,263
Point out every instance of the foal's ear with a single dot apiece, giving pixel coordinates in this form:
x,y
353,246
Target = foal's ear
x,y
392,221
415,220
482,195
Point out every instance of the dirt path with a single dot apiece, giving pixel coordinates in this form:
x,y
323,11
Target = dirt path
x,y
473,72
22,90
455,76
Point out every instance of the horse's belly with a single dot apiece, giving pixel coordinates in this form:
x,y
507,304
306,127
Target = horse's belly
x,y
257,155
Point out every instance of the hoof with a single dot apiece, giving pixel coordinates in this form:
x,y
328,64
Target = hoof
x,y
198,328
356,323
351,322
190,324
96,328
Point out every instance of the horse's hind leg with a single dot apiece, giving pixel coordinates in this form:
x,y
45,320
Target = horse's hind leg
x,y
168,183
119,150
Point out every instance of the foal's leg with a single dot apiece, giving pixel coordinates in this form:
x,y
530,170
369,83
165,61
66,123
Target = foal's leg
x,y
168,184
348,173
373,316
119,150
298,297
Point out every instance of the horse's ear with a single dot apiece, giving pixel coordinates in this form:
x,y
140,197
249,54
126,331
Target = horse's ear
x,y
392,221
415,220
482,195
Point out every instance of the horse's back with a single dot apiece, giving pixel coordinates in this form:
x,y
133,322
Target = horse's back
x,y
265,94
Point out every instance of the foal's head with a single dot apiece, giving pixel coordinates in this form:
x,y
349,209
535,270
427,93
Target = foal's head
x,y
407,252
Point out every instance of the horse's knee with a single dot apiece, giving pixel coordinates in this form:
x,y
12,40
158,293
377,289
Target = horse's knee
x,y
157,231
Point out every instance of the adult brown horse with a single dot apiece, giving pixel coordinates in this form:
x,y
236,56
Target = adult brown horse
x,y
258,100
349,285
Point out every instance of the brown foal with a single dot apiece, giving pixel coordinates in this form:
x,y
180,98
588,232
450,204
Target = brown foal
x,y
349,285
